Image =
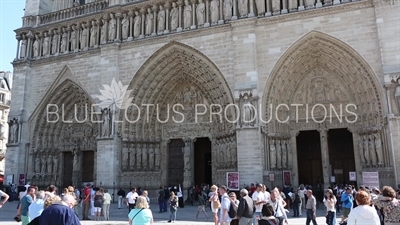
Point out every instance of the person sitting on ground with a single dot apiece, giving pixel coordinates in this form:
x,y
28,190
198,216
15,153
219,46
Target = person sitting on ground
x,y
60,213
268,217
363,214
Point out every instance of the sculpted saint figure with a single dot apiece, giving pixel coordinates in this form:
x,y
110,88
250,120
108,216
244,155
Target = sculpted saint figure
x,y
93,34
214,8
186,156
157,158
73,38
309,3
64,41
37,164
378,149
161,20
55,164
83,37
174,17
149,22
248,112
145,157
36,46
284,155
292,5
22,52
397,94
54,43
151,157
14,132
366,151
261,7
372,152
43,169
103,32
276,6
278,154
272,153
187,15
137,22
49,165
243,8
132,157
46,43
125,26
360,149
106,123
233,152
111,28
200,10
138,156
227,9
289,155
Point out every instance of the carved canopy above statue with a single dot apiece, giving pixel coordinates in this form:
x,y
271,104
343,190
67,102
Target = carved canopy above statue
x,y
175,74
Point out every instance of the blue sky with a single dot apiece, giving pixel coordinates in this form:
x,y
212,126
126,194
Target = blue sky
x,y
11,12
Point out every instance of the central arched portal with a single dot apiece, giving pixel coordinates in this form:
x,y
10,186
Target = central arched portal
x,y
174,95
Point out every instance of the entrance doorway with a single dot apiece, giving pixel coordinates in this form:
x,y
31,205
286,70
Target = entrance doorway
x,y
309,158
87,166
341,155
175,162
67,171
202,161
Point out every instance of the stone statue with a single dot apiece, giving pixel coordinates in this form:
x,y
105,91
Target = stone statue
x,y
49,165
174,17
248,112
260,7
125,26
186,157
187,15
84,36
36,45
293,5
214,9
157,158
43,168
360,149
64,36
93,34
54,43
200,10
372,152
46,43
137,22
221,156
73,38
161,20
106,123
103,32
145,157
309,3
276,6
234,152
37,164
22,52
14,132
366,151
289,155
284,155
243,8
397,94
75,161
378,149
272,154
132,157
111,28
138,156
149,22
55,164
151,157
278,154
227,10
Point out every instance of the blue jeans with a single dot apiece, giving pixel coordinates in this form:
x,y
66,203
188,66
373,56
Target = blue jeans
x,y
165,205
172,215
161,205
255,221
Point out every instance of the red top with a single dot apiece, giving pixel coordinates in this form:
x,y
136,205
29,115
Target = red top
x,y
86,194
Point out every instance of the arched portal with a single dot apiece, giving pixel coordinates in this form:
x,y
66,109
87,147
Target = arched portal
x,y
175,75
324,84
63,136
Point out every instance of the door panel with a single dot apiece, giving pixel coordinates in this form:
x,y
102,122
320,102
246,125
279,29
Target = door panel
x,y
67,171
175,162
202,161
88,166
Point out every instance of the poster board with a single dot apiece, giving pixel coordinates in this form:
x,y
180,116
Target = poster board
x,y
232,181
370,179
10,179
352,176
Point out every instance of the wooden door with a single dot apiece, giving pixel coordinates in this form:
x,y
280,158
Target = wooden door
x,y
175,162
202,161
67,170
87,166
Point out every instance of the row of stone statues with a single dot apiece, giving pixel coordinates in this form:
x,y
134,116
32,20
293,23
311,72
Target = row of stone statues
x,y
141,157
224,153
280,154
152,21
46,164
371,152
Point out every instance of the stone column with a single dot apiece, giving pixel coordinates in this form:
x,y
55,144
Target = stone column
x,y
251,8
323,133
88,24
78,35
207,22
234,15
59,40
68,43
193,15
301,5
268,8
29,45
118,36
180,3
155,9
167,7
143,13
40,45
18,45
284,7
130,14
98,24
221,12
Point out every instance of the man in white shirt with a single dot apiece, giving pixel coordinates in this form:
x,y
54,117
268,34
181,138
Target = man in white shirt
x,y
259,200
267,196
131,199
225,205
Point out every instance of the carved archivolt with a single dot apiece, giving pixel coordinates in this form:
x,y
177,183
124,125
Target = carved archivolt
x,y
175,74
320,69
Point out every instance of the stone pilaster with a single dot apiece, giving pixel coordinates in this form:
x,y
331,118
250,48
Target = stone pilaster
x,y
167,8
143,14
118,36
207,22
130,14
180,3
193,14
323,133
249,156
107,155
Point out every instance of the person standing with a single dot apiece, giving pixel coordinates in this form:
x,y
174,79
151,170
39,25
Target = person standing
x,y
141,214
235,202
131,199
330,203
296,203
121,195
86,202
311,207
36,208
166,198
106,205
174,204
363,214
278,205
259,200
245,208
161,195
26,201
214,200
347,203
224,218
60,213
98,200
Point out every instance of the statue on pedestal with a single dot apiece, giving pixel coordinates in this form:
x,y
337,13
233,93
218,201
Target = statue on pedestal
x,y
125,26
37,164
46,43
55,164
151,157
49,165
272,153
161,20
149,22
43,163
248,112
378,149
372,152
106,123
73,38
284,155
227,10
200,10
14,130
63,40
75,162
36,45
290,155
157,158
186,157
139,156
132,157
137,23
174,17
214,9
111,28
22,52
103,32
260,7
93,34
278,154
145,157
83,37
243,8
366,151
54,43
187,15
360,149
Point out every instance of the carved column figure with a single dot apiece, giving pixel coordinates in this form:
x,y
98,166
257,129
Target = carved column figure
x,y
37,164
59,32
84,35
371,149
139,156
272,153
293,4
227,10
74,38
309,4
132,157
149,22
93,34
29,47
46,44
49,164
324,155
67,44
260,4
289,154
361,151
174,17
112,26
251,13
145,157
54,43
55,164
143,13
284,155
151,156
167,8
366,151
106,123
125,27
21,50
131,13
243,8
104,30
214,11
43,164
200,11
378,149
276,7
161,21
187,15
157,158
118,28
278,154
137,22
155,9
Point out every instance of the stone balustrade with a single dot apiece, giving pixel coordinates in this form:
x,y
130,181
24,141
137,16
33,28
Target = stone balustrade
x,y
86,27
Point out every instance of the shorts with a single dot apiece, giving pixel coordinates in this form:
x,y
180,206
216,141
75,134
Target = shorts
x,y
346,212
97,209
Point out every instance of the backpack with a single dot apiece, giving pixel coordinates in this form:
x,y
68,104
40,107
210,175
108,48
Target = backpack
x,y
232,212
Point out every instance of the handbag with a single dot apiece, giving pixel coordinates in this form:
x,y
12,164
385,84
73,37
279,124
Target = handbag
x,y
216,204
